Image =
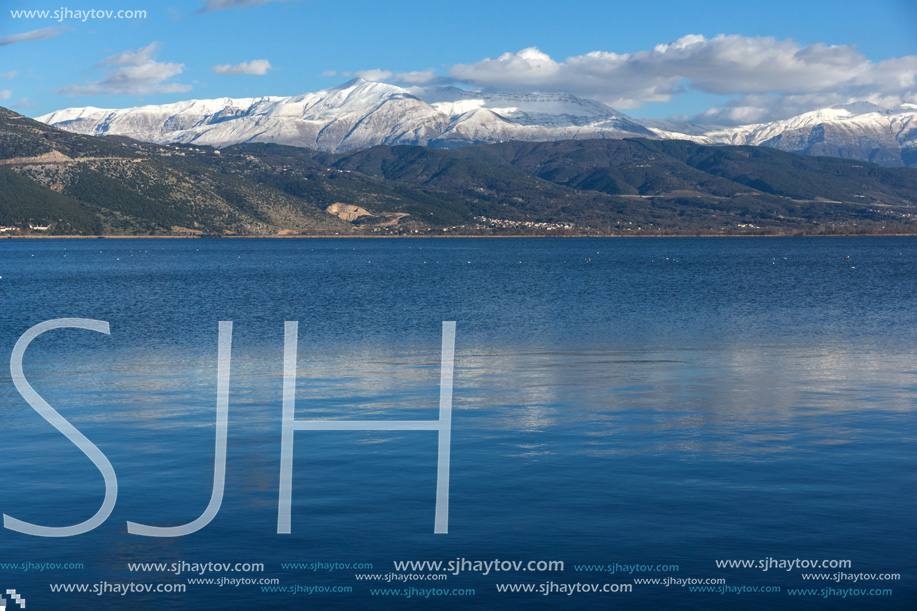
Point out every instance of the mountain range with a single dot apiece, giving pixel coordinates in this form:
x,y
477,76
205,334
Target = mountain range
x,y
360,114
57,182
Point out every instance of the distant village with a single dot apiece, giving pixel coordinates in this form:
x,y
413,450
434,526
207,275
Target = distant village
x,y
17,230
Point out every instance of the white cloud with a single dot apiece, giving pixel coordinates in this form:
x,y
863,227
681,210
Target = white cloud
x,y
133,73
764,108
220,5
528,67
5,94
132,58
373,75
774,77
24,103
886,84
330,73
621,81
9,74
419,77
41,34
255,66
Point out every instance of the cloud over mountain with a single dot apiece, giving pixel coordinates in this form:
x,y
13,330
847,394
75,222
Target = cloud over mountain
x,y
133,73
255,66
774,78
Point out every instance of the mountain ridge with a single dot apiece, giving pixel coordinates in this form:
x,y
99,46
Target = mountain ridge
x,y
59,182
360,114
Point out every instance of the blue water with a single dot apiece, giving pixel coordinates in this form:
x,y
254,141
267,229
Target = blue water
x,y
630,401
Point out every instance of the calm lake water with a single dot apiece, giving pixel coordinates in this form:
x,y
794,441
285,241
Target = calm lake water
x,y
652,402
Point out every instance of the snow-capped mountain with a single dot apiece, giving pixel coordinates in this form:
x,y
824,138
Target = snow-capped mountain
x,y
360,114
854,131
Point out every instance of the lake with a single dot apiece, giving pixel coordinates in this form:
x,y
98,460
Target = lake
x,y
637,409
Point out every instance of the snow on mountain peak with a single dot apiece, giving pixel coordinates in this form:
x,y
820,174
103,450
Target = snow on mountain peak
x,y
546,109
361,113
354,114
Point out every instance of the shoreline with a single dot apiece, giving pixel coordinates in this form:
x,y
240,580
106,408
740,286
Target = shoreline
x,y
452,236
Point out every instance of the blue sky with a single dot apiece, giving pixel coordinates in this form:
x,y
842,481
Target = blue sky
x,y
725,62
